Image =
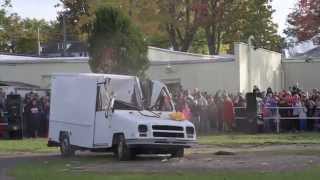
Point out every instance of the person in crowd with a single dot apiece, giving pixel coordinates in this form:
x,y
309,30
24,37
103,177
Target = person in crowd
x,y
269,91
219,102
283,103
303,115
317,114
212,113
298,109
256,90
34,120
269,112
240,111
180,101
44,125
2,100
186,111
228,113
2,110
311,109
202,111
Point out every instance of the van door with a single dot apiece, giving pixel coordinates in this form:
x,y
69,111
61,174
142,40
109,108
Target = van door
x,y
102,128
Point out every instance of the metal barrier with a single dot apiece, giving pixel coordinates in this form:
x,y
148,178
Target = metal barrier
x,y
277,116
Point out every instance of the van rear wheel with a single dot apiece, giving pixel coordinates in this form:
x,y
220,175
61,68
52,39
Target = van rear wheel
x,y
65,147
123,152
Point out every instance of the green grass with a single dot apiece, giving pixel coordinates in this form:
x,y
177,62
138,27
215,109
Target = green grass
x,y
63,169
26,145
40,145
260,139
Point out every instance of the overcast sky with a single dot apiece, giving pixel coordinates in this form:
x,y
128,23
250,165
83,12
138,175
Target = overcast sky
x,y
44,9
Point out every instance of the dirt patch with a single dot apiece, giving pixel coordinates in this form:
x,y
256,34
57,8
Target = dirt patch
x,y
256,162
266,158
275,158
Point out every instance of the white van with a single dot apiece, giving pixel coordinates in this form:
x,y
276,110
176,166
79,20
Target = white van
x,y
102,112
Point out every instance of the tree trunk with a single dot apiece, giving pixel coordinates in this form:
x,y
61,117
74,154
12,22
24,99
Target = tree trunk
x,y
187,42
211,39
218,42
172,37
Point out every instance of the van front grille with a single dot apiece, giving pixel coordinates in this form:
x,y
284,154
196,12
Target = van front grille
x,y
168,134
167,128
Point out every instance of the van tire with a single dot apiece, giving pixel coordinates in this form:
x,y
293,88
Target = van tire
x,y
66,149
177,153
123,152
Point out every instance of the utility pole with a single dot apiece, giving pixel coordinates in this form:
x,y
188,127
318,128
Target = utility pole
x,y
64,34
38,38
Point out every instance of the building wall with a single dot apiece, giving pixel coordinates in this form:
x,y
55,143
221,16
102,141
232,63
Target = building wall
x,y
209,77
158,54
258,67
38,73
236,73
304,74
242,60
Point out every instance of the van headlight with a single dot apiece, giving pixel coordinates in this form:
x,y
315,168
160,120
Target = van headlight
x,y
190,130
142,128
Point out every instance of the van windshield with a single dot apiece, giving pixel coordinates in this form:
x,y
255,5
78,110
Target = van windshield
x,y
127,94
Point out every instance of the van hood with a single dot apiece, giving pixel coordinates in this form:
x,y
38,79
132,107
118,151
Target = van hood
x,y
147,117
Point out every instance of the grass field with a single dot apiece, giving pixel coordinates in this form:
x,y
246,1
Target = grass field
x,y
260,139
26,145
63,170
40,145
69,168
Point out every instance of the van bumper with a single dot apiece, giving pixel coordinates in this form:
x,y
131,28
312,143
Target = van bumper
x,y
160,143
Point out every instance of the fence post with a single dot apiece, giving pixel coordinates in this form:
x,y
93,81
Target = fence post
x,y
278,120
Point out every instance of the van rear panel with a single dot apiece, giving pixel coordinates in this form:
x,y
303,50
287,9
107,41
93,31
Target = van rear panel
x,y
73,102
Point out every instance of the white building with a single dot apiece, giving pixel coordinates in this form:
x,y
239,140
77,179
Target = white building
x,y
303,70
234,73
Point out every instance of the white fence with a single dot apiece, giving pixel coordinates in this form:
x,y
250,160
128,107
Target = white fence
x,y
275,115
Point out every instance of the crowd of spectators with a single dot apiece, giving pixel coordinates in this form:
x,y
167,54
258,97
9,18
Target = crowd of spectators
x,y
33,112
297,110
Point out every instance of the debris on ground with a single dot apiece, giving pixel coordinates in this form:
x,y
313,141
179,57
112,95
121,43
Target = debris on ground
x,y
164,160
224,153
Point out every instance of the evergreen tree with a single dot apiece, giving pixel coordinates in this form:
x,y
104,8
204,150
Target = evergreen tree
x,y
116,45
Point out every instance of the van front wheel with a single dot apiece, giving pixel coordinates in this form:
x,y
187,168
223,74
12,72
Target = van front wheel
x,y
123,151
65,147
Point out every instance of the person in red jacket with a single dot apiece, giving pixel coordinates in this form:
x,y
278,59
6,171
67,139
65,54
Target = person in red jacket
x,y
228,114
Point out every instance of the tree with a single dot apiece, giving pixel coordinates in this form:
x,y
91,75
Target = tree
x,y
19,35
12,30
236,20
221,15
181,22
304,21
116,45
81,13
259,24
189,25
78,14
